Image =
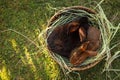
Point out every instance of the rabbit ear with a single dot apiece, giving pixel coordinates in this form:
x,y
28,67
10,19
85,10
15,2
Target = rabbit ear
x,y
73,26
91,53
82,34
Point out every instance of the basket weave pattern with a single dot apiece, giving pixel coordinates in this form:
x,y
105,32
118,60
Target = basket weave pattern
x,y
56,16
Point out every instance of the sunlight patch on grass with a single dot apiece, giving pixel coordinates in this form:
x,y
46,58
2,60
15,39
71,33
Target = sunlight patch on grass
x,y
14,45
51,67
29,59
4,73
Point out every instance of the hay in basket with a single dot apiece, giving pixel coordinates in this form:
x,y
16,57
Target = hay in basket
x,y
95,17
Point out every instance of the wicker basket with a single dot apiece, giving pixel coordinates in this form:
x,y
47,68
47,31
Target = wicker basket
x,y
54,56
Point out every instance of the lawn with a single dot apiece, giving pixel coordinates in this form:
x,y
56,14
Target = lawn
x,y
21,54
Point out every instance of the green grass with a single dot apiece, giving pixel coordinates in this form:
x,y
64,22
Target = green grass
x,y
21,53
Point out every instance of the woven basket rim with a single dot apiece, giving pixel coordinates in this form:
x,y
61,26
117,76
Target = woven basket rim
x,y
55,16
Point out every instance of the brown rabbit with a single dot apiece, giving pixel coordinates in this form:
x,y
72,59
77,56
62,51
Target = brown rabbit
x,y
73,26
63,39
80,54
87,49
94,37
